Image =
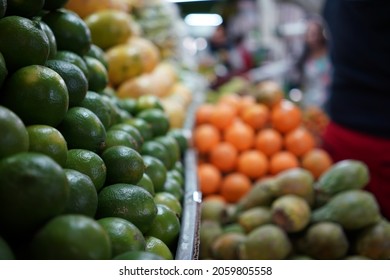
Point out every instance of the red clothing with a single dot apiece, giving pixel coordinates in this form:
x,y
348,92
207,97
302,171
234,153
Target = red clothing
x,y
343,143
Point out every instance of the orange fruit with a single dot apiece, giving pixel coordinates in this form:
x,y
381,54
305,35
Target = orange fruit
x,y
203,113
286,116
224,156
110,27
282,160
222,116
234,186
209,178
86,7
206,137
253,164
255,115
231,99
299,141
245,101
268,141
240,135
317,161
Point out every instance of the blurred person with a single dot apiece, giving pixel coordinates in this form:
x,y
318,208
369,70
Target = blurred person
x,y
241,59
220,46
311,73
359,95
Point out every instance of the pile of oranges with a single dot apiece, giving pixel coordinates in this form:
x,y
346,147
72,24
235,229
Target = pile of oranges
x,y
240,141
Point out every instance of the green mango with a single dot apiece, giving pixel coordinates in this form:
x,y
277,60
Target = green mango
x,y
344,175
352,209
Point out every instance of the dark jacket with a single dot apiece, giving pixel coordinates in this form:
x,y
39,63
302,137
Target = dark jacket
x,y
360,53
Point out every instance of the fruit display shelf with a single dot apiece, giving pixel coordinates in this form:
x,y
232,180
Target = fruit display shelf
x,y
188,244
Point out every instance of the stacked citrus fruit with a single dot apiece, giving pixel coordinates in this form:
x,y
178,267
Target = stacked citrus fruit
x,y
135,62
270,192
241,140
83,174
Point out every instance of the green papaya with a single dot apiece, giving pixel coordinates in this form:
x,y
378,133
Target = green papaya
x,y
208,232
254,217
374,242
326,241
213,210
344,175
297,181
291,213
5,251
267,242
225,246
261,194
352,209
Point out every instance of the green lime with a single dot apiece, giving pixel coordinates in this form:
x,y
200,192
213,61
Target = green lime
x,y
5,251
114,109
71,237
75,80
179,166
22,42
14,134
73,58
98,76
133,131
37,94
70,30
165,226
147,102
176,175
124,235
138,255
169,200
123,115
120,138
124,165
3,70
33,189
108,91
146,183
143,127
54,4
158,150
172,186
156,170
88,163
52,39
182,137
82,129
3,7
157,119
24,8
94,102
99,54
109,27
128,104
49,141
83,197
158,247
129,202
170,144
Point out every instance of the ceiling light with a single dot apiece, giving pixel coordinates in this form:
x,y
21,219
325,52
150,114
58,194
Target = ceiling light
x,y
203,19
183,1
